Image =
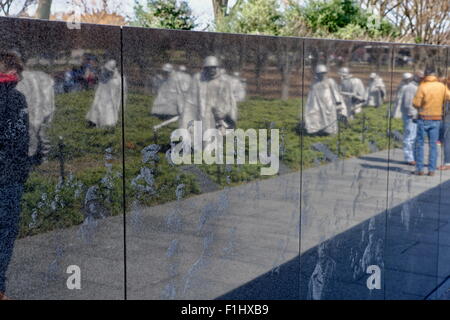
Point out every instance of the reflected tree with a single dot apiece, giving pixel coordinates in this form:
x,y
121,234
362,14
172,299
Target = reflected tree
x,y
7,6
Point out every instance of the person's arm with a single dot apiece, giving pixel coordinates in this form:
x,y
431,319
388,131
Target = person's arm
x,y
418,99
21,141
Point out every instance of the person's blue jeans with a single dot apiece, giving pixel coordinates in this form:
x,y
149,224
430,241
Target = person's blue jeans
x,y
446,142
409,138
431,128
9,226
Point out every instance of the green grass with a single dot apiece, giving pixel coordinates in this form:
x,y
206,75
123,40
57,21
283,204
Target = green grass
x,y
47,206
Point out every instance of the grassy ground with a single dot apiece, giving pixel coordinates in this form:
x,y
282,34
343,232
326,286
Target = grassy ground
x,y
48,204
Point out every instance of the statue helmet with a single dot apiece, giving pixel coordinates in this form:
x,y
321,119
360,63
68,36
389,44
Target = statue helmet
x,y
344,71
321,68
211,61
407,76
167,67
373,75
111,65
182,68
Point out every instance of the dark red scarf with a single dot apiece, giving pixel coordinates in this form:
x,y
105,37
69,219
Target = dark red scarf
x,y
12,77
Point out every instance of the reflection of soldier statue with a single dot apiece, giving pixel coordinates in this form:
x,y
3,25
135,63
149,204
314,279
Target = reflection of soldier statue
x,y
324,104
185,78
376,91
155,83
321,281
38,88
171,93
238,86
105,109
210,99
353,91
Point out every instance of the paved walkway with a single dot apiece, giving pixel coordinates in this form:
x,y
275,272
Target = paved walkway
x,y
243,242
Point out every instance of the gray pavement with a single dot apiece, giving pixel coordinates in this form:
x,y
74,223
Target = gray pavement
x,y
251,242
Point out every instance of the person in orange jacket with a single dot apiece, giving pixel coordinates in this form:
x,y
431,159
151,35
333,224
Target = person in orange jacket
x,y
429,101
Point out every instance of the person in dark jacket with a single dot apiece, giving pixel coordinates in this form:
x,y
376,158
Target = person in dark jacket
x,y
14,161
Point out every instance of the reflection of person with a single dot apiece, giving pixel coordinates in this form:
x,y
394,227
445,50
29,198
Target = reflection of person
x,y
323,105
38,88
86,75
14,160
376,91
446,133
353,92
429,101
404,106
210,99
105,109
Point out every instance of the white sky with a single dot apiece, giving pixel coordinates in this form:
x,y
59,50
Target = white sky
x,y
202,9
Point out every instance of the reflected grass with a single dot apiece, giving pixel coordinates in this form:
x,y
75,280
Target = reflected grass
x,y
84,156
